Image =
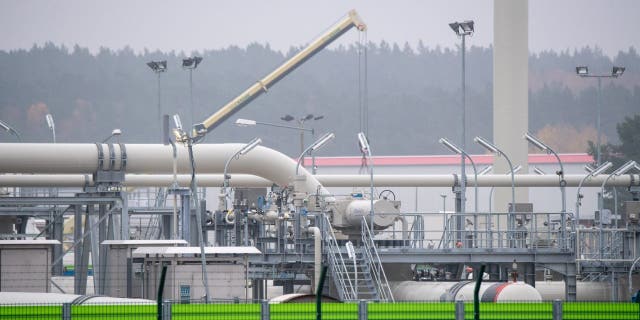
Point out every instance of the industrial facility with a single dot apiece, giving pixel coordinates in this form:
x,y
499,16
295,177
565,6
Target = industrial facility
x,y
242,222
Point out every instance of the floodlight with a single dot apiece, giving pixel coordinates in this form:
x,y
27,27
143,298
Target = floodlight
x,y
318,118
582,70
191,63
50,122
245,122
624,168
252,144
364,143
467,26
177,122
464,28
536,142
287,118
450,145
617,71
308,117
158,66
485,170
116,132
486,144
539,171
322,141
602,168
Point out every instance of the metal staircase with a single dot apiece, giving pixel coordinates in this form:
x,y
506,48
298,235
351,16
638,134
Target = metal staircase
x,y
337,266
373,266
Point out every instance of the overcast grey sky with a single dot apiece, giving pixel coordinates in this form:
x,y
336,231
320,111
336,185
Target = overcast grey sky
x,y
197,25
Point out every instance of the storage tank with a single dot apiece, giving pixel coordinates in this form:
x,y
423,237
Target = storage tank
x,y
463,291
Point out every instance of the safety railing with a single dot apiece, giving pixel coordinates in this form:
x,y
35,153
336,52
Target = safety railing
x,y
371,257
346,288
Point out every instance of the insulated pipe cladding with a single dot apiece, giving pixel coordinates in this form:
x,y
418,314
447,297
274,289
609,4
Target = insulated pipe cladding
x,y
46,158
463,291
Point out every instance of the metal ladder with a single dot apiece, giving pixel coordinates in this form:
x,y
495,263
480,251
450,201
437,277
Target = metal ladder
x,y
340,274
374,265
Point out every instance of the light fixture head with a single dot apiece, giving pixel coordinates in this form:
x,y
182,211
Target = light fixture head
x,y
450,146
177,122
308,117
588,168
116,132
529,137
539,171
318,118
617,71
50,122
602,168
322,141
486,144
158,66
516,169
191,62
582,71
625,167
4,126
287,118
245,122
252,144
363,142
485,170
463,28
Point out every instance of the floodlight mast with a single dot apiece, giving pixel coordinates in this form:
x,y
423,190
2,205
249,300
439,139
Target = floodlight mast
x,y
345,24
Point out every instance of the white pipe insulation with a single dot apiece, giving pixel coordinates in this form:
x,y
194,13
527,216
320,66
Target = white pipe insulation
x,y
47,158
246,180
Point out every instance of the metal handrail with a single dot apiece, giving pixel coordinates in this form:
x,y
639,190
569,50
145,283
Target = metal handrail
x,y
346,288
375,263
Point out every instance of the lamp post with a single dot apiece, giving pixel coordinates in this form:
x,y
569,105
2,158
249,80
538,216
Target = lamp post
x,y
301,122
563,183
248,122
191,64
363,142
315,146
51,125
583,72
463,29
491,147
158,67
594,172
11,130
244,150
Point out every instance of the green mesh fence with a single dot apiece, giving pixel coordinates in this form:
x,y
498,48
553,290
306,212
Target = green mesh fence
x,y
215,311
511,310
412,310
600,310
304,311
44,312
114,312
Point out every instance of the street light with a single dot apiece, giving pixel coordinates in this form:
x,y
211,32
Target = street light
x,y
594,172
114,133
583,72
365,148
51,125
315,146
542,146
249,123
459,151
462,30
190,64
301,122
539,171
244,150
11,130
158,67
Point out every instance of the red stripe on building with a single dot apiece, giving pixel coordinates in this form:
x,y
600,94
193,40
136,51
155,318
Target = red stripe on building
x,y
484,159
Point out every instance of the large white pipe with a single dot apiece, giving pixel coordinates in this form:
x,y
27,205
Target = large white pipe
x,y
45,158
317,257
244,180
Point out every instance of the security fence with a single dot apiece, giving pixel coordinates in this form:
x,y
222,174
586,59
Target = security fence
x,y
555,310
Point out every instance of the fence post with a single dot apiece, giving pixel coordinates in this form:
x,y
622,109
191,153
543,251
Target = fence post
x,y
166,310
66,311
459,310
363,312
265,312
557,309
